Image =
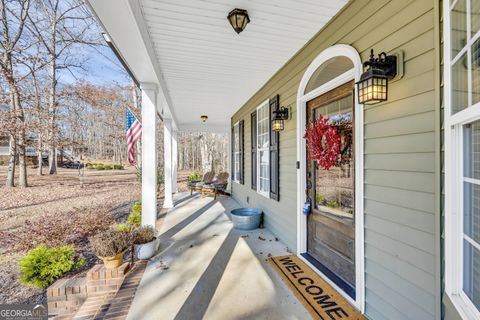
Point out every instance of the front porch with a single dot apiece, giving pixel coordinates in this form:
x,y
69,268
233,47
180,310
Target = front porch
x,y
206,269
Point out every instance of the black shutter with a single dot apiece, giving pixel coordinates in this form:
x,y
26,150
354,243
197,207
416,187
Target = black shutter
x,y
274,152
253,153
240,135
232,164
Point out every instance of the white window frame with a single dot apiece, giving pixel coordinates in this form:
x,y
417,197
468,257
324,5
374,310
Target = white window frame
x,y
454,178
302,98
265,104
236,151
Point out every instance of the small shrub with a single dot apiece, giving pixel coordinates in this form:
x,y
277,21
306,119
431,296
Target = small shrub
x,y
135,217
123,227
333,204
118,167
143,234
320,198
110,242
194,175
107,167
89,166
42,266
2,163
100,167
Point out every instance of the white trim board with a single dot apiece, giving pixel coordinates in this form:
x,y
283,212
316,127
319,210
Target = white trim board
x,y
454,178
353,74
266,194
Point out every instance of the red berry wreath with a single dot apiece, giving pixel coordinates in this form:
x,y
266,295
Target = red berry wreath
x,y
323,142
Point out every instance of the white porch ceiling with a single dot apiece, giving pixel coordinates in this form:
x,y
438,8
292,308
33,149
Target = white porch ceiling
x,y
206,68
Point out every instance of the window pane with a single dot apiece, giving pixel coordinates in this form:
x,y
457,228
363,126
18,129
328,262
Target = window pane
x,y
476,72
471,211
459,85
471,150
264,170
458,20
471,273
475,16
329,70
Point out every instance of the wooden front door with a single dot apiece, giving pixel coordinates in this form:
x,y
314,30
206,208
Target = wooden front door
x,y
331,224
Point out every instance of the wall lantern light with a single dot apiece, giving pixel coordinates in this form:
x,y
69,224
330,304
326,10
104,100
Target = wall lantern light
x,y
279,117
238,19
373,85
204,118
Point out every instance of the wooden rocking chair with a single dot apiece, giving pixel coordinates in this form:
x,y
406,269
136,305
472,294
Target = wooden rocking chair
x,y
218,186
196,185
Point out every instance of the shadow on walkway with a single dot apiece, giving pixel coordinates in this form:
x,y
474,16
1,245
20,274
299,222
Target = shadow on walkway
x,y
200,297
167,235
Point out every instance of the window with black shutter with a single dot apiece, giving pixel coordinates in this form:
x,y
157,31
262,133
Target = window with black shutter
x,y
241,144
253,153
274,152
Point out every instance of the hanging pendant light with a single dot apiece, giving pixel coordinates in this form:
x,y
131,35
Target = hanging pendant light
x,y
238,19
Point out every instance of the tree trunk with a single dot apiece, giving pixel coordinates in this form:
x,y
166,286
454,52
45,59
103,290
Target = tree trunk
x,y
52,107
40,163
22,177
11,161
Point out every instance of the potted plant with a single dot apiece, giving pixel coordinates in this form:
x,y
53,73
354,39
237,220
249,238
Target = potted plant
x,y
145,241
194,176
110,246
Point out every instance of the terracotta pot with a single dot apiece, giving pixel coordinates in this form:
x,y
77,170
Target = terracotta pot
x,y
113,262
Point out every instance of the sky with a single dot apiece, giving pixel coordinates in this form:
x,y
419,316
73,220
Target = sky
x,y
102,68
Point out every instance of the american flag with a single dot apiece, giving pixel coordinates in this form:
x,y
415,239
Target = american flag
x,y
134,132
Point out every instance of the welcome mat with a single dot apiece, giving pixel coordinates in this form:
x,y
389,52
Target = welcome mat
x,y
320,299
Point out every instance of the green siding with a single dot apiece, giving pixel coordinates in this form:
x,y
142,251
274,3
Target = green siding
x,y
401,151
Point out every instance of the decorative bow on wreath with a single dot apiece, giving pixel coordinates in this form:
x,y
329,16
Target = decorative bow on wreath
x,y
323,142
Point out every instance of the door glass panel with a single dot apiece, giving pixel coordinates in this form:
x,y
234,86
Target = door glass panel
x,y
334,188
458,20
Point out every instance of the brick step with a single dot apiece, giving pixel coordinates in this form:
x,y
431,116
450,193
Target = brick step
x,y
66,296
120,304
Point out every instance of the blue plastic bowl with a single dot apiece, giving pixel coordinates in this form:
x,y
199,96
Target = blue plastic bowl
x,y
246,218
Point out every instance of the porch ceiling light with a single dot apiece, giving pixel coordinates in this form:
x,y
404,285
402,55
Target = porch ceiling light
x,y
279,117
204,118
238,19
373,85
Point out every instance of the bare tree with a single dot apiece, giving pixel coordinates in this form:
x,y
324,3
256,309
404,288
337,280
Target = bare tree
x,y
53,27
14,15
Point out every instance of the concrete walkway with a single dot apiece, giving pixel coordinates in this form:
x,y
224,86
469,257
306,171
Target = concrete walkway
x,y
208,270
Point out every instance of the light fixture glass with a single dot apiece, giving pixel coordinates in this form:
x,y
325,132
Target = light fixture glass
x,y
279,117
238,19
372,88
277,125
373,85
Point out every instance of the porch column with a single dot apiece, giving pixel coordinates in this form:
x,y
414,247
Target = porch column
x,y
149,154
174,161
168,166
229,160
